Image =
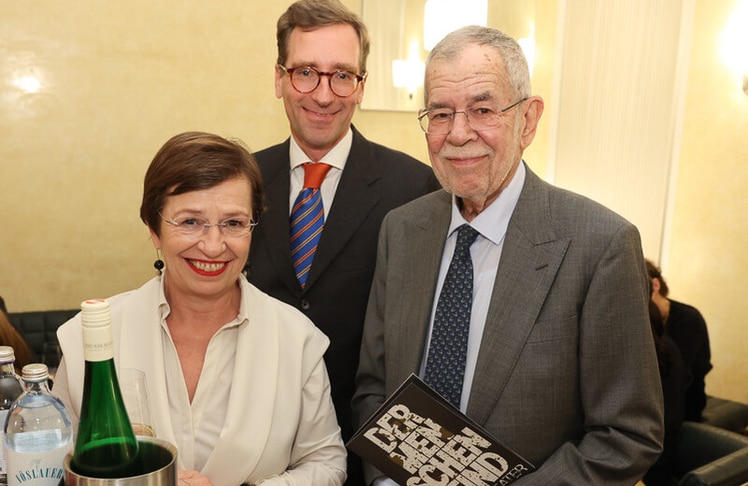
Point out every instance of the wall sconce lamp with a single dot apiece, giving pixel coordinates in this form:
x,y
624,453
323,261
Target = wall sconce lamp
x,y
28,83
733,42
408,74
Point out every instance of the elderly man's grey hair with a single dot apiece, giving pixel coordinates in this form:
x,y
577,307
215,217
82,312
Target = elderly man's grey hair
x,y
510,51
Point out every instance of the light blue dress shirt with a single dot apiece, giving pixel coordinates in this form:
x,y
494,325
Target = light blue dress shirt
x,y
491,223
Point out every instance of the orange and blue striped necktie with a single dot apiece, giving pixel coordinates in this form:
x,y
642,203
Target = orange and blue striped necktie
x,y
307,220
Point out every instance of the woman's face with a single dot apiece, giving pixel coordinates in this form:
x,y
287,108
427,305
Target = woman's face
x,y
208,263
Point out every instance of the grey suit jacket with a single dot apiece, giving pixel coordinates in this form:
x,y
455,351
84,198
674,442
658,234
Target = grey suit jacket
x,y
566,374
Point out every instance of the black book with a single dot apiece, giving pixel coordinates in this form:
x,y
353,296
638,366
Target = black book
x,y
418,438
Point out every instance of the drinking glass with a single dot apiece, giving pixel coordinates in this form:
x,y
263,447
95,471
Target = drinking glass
x,y
132,383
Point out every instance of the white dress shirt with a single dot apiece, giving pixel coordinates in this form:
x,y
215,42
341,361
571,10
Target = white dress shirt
x,y
336,157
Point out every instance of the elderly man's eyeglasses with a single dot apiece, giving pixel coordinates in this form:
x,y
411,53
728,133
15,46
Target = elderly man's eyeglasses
x,y
305,79
194,227
481,117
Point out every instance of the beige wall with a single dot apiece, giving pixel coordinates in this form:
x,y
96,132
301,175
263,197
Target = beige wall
x,y
706,262
119,78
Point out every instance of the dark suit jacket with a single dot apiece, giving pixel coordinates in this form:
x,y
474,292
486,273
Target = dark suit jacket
x,y
374,181
566,373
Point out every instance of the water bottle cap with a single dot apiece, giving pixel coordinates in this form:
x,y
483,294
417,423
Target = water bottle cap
x,y
95,313
35,372
7,355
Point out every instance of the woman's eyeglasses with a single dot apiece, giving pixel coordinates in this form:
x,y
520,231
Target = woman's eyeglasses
x,y
194,226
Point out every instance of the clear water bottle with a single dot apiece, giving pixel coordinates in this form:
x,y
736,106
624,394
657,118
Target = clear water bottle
x,y
10,390
38,432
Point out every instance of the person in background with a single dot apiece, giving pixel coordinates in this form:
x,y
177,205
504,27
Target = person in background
x,y
320,75
674,378
236,379
553,354
686,326
9,336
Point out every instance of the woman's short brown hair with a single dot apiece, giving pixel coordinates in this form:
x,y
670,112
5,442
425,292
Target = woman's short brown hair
x,y
193,161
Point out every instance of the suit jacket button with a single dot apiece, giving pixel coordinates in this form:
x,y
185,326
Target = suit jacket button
x,y
305,304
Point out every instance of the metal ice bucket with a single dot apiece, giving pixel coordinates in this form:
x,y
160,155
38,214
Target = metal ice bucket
x,y
159,459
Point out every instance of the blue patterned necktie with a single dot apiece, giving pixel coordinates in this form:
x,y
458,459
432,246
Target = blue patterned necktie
x,y
445,365
307,220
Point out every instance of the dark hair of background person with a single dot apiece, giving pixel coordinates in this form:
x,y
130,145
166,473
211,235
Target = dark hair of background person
x,y
654,272
193,161
9,336
310,14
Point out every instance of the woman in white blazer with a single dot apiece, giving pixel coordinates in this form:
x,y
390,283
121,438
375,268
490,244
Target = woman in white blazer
x,y
236,378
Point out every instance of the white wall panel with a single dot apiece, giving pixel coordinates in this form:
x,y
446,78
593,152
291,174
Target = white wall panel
x,y
620,85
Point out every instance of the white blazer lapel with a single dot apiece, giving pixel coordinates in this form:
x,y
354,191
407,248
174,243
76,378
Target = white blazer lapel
x,y
140,346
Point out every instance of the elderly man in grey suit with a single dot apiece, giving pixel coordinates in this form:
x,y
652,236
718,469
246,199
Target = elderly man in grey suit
x,y
556,357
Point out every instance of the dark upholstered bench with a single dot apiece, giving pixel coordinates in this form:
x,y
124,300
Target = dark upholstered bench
x,y
726,414
39,327
710,456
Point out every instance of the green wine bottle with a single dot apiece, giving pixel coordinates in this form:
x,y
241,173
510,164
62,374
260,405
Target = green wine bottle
x,y
105,446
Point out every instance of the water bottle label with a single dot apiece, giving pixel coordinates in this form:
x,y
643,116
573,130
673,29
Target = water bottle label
x,y
37,468
3,454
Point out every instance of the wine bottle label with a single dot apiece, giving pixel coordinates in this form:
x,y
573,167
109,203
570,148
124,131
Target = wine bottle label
x,y
43,468
97,343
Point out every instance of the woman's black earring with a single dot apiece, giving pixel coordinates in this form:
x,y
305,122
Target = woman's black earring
x,y
159,263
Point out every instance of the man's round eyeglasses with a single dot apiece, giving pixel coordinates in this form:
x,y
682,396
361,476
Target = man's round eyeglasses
x,y
194,227
305,79
483,116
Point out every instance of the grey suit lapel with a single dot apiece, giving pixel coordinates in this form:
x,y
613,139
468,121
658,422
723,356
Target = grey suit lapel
x,y
531,256
425,236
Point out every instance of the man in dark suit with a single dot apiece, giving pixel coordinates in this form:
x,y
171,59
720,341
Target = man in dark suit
x,y
559,361
320,75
